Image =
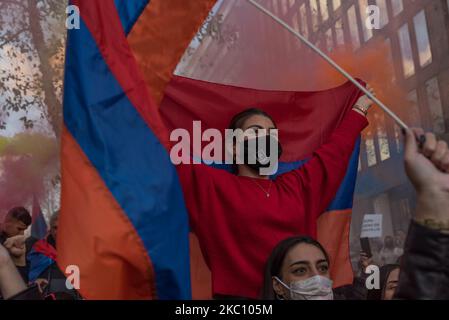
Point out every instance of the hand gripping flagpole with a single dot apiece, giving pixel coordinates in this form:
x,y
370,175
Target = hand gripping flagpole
x,y
332,62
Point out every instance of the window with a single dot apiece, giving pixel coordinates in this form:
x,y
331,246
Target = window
x,y
296,26
406,50
337,4
339,32
353,28
413,109
397,6
303,20
315,13
383,10
296,22
382,137
391,60
435,105
422,39
284,5
367,33
329,40
275,7
404,206
401,216
324,10
381,205
370,149
397,138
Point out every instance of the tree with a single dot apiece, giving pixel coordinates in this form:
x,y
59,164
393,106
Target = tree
x,y
32,41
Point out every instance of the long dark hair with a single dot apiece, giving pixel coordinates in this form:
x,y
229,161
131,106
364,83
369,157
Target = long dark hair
x,y
239,119
385,271
275,261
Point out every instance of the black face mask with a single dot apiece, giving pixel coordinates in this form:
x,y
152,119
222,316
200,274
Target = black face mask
x,y
261,156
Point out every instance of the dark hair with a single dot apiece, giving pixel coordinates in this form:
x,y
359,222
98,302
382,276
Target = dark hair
x,y
21,214
275,261
378,294
239,119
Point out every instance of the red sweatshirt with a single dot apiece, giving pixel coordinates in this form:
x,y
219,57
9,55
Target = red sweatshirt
x,y
238,225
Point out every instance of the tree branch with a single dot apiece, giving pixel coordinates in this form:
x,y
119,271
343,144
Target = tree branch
x,y
16,2
12,37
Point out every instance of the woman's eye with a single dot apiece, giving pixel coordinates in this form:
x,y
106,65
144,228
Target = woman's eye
x,y
300,271
323,268
392,287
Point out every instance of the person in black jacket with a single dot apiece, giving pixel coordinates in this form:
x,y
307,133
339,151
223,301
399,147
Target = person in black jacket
x,y
16,221
389,275
425,264
12,285
12,230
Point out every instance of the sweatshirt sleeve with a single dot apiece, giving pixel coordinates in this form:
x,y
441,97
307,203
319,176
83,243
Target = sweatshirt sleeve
x,y
317,181
195,181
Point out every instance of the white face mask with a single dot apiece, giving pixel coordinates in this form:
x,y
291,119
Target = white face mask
x,y
314,288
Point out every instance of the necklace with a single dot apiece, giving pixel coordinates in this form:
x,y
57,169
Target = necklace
x,y
267,193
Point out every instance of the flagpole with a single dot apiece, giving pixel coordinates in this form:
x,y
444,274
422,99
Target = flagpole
x,y
332,62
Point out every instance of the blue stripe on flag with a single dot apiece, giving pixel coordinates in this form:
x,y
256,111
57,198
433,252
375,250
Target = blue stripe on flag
x,y
39,227
345,194
38,263
131,161
129,11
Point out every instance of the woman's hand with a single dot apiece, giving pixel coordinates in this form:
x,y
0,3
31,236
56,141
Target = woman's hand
x,y
41,284
365,262
364,103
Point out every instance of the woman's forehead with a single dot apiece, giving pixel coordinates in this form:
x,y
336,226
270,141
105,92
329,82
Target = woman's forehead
x,y
304,252
258,121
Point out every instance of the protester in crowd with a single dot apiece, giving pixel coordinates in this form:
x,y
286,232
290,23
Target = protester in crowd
x,y
12,285
17,249
376,248
248,207
399,238
365,261
298,269
388,282
43,264
389,253
16,221
12,230
425,261
43,255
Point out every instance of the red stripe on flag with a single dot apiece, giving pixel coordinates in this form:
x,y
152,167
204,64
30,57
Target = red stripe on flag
x,y
333,230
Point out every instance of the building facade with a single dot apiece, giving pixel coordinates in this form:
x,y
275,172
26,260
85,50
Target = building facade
x,y
417,34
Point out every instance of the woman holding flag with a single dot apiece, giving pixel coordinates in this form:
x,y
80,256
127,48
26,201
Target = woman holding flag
x,y
239,218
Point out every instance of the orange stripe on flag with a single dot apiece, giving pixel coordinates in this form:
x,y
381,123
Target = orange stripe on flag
x,y
162,34
158,40
333,234
112,260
